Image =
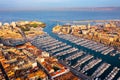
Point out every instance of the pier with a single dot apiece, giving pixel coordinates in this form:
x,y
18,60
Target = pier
x,y
100,70
83,60
90,65
112,74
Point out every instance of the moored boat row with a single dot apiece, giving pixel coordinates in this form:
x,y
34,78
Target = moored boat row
x,y
98,47
74,56
112,74
90,65
83,60
100,70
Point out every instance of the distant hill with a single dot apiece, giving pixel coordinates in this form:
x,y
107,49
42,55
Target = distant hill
x,y
67,9
90,9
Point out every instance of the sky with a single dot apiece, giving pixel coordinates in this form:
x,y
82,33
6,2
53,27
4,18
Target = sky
x,y
39,4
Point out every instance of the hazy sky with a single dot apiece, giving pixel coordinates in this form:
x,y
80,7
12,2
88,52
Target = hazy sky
x,y
38,4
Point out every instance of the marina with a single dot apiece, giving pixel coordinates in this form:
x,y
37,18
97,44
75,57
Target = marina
x,y
69,54
98,47
59,39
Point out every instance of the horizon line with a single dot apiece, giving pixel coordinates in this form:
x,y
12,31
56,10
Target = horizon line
x,y
65,8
